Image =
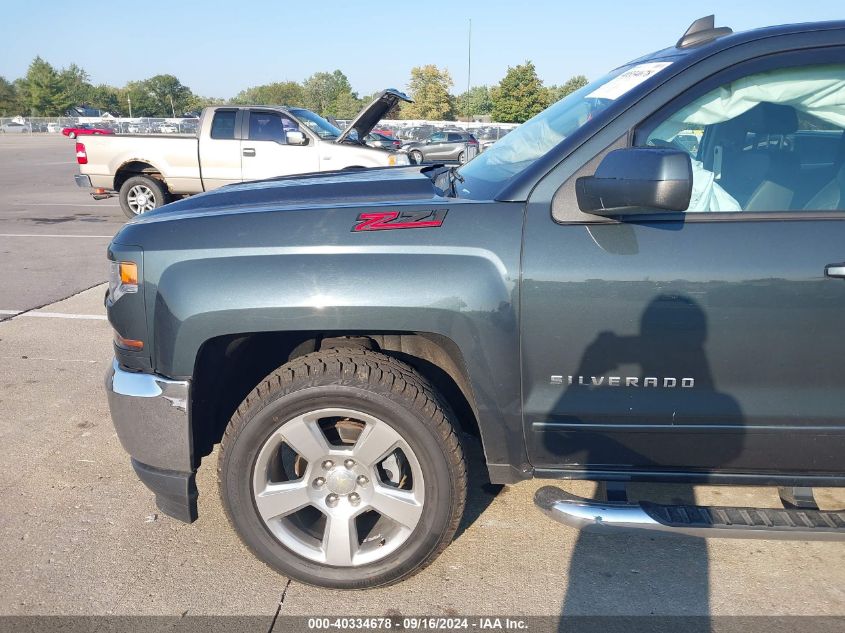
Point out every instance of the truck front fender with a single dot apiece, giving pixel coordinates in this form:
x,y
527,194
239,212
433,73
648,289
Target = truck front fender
x,y
466,294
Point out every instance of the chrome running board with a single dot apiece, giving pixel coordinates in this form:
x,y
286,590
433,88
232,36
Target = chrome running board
x,y
701,521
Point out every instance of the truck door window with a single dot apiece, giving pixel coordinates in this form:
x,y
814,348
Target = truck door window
x,y
771,141
223,124
270,126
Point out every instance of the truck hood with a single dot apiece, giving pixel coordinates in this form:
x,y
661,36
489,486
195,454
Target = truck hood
x,y
366,119
324,189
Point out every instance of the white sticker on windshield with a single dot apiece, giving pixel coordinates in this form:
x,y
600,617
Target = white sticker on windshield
x,y
631,78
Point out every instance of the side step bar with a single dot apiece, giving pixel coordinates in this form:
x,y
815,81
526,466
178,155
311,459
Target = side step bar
x,y
701,521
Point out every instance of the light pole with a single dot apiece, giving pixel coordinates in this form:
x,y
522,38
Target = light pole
x,y
172,109
469,68
129,99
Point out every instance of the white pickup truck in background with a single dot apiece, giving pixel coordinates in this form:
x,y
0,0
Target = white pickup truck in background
x,y
233,144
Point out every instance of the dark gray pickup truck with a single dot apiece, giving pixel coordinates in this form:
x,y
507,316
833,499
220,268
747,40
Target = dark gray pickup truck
x,y
642,283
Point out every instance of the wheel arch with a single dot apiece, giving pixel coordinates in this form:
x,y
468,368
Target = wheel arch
x,y
228,367
137,167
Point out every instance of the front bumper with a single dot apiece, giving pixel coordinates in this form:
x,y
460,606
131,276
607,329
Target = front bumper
x,y
151,417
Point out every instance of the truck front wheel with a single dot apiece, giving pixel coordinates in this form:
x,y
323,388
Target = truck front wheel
x,y
343,469
140,194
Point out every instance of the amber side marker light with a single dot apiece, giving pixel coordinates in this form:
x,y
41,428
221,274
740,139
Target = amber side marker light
x,y
129,273
128,343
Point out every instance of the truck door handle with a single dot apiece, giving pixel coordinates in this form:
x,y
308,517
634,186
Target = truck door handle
x,y
834,270
249,151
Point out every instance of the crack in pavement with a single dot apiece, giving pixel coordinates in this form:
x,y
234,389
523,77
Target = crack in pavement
x,y
279,608
49,303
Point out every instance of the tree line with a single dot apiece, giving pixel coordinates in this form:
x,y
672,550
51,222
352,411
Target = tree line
x,y
49,91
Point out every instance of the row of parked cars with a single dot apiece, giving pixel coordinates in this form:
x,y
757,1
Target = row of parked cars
x,y
428,142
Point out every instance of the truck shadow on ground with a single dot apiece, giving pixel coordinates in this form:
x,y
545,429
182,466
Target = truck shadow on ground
x,y
480,492
644,574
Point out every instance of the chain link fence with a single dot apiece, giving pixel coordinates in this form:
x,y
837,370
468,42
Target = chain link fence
x,y
406,130
55,125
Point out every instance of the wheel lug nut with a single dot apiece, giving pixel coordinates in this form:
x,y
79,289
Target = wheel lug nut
x,y
349,463
362,480
327,464
354,498
318,482
331,500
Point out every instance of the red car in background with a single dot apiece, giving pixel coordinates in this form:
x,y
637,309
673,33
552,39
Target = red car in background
x,y
82,130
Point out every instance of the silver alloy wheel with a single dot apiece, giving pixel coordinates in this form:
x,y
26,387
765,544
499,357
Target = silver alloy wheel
x,y
418,157
141,198
343,483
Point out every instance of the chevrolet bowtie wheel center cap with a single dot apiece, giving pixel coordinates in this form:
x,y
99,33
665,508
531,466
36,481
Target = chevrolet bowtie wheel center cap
x,y
341,481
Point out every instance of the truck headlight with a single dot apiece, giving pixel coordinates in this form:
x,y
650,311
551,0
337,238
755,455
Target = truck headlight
x,y
123,279
398,159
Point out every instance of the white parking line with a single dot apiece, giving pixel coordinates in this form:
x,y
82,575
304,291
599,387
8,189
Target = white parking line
x,y
64,204
54,315
51,235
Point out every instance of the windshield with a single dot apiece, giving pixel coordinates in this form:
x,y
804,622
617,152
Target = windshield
x,y
317,124
487,173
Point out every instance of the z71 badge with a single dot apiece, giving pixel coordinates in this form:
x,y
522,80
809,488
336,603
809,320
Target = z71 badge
x,y
389,220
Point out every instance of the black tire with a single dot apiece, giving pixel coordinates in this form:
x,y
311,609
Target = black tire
x,y
416,156
380,386
159,193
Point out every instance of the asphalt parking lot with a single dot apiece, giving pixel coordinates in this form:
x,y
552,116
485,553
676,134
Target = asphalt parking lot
x,y
52,234
80,535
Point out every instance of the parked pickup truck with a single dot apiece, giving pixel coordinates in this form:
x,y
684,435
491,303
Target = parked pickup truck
x,y
587,298
233,144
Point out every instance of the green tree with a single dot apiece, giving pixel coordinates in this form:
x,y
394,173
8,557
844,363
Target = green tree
x,y
556,93
278,93
170,95
76,85
8,98
429,87
136,98
322,90
21,95
347,105
45,94
475,101
107,99
197,103
520,95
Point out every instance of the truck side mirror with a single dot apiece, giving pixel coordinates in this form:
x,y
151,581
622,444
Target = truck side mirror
x,y
296,138
636,181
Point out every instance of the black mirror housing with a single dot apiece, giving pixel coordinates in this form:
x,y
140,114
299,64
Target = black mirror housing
x,y
637,181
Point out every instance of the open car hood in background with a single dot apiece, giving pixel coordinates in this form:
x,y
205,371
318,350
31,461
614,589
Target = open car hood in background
x,y
367,118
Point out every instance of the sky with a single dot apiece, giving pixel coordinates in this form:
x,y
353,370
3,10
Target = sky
x,y
220,48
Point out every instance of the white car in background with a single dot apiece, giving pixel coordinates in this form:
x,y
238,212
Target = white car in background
x,y
13,127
